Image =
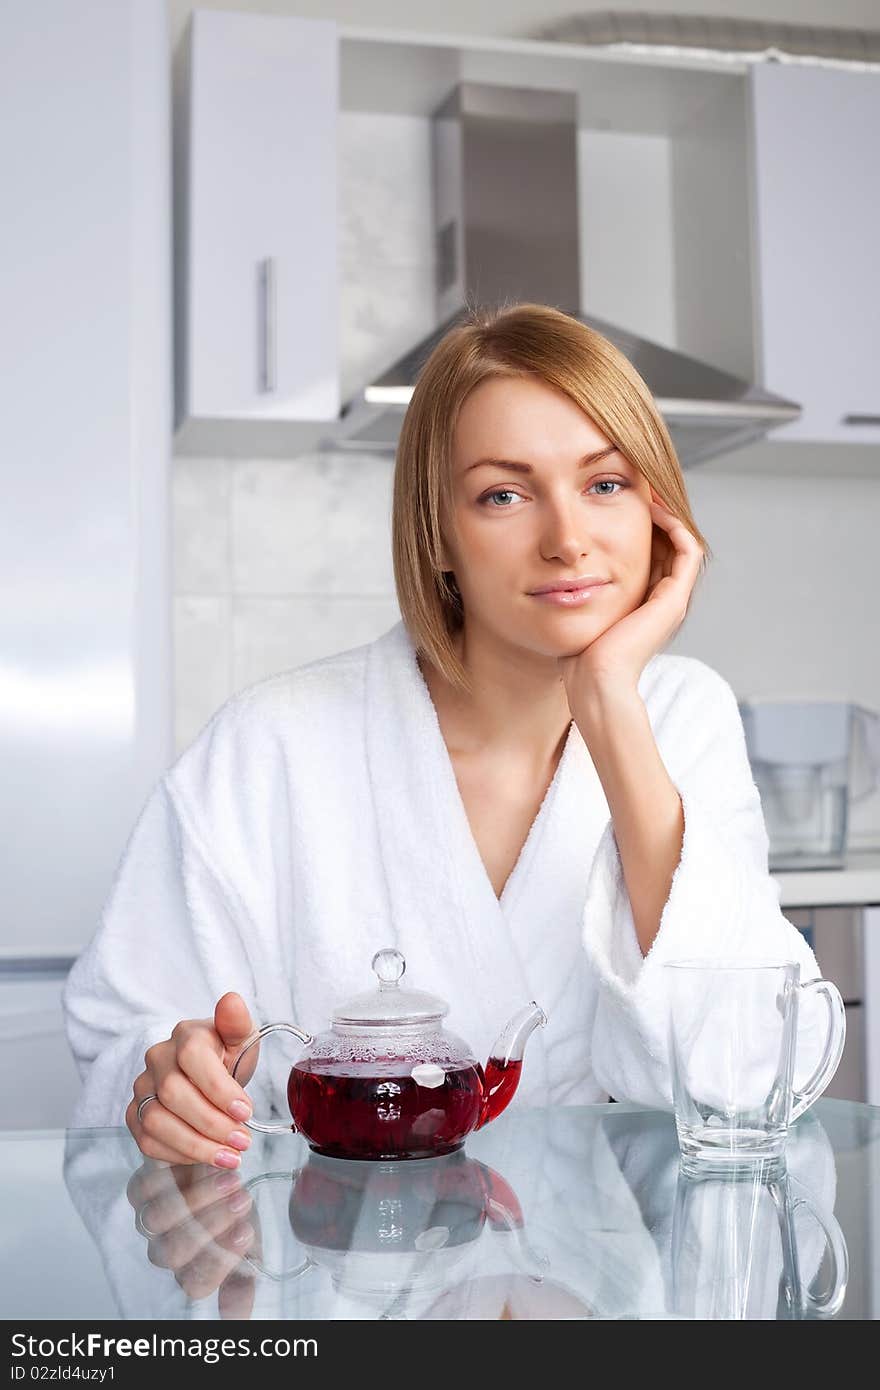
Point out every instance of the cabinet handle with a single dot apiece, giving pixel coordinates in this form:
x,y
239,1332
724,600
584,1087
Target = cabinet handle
x,y
266,324
861,420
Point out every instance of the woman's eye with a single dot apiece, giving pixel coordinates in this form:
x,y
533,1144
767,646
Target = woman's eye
x,y
606,483
499,492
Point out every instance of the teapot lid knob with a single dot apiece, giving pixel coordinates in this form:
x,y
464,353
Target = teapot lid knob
x,y
390,1005
389,964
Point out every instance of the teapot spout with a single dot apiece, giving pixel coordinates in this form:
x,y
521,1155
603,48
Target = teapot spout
x,y
505,1062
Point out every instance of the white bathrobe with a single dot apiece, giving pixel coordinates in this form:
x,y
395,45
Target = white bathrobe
x,y
317,818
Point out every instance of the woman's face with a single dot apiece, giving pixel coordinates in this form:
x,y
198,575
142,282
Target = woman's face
x,y
552,517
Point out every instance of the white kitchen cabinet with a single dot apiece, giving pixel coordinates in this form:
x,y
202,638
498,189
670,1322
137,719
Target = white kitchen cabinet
x,y
816,193
760,189
255,209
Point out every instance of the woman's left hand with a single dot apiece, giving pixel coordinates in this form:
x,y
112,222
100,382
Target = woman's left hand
x,y
618,657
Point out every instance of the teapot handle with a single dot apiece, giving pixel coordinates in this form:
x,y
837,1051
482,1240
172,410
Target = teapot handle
x,y
252,1042
285,1274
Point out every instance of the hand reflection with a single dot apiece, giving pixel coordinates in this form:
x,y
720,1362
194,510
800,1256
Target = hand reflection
x,y
199,1224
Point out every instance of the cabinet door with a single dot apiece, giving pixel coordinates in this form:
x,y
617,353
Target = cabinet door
x,y
817,233
261,202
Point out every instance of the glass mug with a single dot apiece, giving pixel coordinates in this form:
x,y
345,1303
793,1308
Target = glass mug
x,y
738,1251
733,1038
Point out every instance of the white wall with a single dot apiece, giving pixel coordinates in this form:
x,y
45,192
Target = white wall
x,y
788,606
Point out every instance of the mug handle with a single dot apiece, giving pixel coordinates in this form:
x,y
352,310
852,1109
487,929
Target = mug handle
x,y
829,1304
802,1100
252,1042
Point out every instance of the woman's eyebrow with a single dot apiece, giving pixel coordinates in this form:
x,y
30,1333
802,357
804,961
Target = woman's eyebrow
x,y
515,467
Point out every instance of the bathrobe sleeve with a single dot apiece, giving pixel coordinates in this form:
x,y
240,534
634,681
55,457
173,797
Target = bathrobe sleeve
x,y
173,937
722,900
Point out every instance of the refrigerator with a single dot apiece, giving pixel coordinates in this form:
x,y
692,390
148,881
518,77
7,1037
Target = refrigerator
x,y
86,386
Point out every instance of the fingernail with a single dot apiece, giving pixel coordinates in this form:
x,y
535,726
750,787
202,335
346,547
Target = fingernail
x,y
226,1182
238,1139
241,1202
225,1158
240,1110
242,1234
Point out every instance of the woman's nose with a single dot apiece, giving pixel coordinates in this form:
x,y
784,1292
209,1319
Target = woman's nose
x,y
564,537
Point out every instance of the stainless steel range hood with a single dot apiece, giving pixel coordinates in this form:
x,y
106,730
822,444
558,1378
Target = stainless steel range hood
x,y
506,229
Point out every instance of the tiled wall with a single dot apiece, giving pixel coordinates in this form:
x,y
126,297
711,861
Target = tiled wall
x,y
276,564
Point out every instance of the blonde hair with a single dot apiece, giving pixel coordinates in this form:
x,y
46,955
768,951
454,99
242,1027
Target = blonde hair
x,y
511,341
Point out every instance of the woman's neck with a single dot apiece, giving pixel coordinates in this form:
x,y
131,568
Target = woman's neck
x,y
517,707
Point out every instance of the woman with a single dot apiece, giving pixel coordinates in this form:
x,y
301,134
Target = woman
x,y
520,792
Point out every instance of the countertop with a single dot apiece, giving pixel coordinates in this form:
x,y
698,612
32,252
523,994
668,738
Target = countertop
x,y
572,1212
856,884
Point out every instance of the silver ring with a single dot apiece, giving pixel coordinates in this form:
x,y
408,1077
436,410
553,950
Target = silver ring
x,y
140,1223
146,1100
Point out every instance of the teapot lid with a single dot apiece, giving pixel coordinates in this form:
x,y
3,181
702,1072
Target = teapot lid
x,y
389,1004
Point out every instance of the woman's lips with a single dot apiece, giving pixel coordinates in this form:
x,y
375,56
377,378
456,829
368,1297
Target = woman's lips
x,y
568,598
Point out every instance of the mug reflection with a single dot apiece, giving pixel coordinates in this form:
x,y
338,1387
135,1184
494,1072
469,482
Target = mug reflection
x,y
736,1249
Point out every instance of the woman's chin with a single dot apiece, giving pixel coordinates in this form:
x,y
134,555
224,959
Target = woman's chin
x,y
569,632
569,642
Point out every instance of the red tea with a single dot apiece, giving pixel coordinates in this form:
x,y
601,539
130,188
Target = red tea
x,y
499,1083
387,1114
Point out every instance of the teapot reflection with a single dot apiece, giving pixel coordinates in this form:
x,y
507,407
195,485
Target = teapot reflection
x,y
735,1250
381,1227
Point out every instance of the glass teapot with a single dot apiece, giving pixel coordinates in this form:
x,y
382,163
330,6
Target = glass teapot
x,y
387,1081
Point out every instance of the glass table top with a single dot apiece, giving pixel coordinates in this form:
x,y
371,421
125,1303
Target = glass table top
x,y
571,1213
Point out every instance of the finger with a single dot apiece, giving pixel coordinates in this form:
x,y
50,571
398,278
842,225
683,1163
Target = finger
x,y
235,1027
149,1182
236,1297
683,539
668,518
153,1149
174,1208
180,1244
688,553
199,1056
182,1098
165,1135
143,1087
215,1263
152,1143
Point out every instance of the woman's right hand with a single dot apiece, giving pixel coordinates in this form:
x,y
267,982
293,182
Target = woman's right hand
x,y
197,1114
